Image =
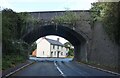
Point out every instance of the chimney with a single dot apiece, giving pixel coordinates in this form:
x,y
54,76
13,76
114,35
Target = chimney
x,y
58,39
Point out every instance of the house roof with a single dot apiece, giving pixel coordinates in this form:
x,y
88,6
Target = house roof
x,y
54,42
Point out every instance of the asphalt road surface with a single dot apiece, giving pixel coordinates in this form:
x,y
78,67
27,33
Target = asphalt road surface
x,y
63,69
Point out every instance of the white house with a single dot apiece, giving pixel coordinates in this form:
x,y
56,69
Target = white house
x,y
50,48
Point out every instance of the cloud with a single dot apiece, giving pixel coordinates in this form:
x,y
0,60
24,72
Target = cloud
x,y
108,0
5,4
37,1
40,5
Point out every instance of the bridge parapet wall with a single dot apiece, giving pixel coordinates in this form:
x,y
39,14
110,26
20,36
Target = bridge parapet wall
x,y
83,27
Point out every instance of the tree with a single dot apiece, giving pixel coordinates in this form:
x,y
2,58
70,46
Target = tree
x,y
14,50
108,13
33,47
71,49
9,26
71,52
68,44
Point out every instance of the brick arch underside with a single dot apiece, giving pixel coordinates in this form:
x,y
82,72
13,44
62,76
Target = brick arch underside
x,y
76,39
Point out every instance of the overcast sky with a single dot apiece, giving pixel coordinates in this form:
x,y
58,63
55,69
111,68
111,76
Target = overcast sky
x,y
46,5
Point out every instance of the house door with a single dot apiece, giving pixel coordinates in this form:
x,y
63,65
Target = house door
x,y
51,54
58,54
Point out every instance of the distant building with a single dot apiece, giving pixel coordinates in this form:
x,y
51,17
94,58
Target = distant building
x,y
50,48
34,53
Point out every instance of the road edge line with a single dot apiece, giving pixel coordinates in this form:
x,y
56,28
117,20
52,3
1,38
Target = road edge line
x,y
59,69
103,70
18,69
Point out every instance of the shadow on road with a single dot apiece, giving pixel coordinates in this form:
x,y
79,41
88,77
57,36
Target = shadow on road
x,y
51,59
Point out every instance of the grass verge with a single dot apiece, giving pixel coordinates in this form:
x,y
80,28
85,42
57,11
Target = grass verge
x,y
70,57
11,61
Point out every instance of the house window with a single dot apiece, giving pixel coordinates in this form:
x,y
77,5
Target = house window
x,y
61,53
55,53
43,52
51,55
53,46
66,49
58,47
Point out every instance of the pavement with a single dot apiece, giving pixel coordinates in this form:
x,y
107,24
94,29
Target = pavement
x,y
61,67
50,59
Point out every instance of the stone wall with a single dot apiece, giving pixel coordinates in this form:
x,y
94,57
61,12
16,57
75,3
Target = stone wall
x,y
104,51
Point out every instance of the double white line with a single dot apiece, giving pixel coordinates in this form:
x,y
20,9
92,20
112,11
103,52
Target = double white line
x,y
59,69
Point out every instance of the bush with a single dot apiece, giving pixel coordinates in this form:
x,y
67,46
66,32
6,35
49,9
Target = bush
x,y
71,52
11,60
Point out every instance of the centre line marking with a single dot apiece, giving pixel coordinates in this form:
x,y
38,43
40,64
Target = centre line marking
x,y
59,69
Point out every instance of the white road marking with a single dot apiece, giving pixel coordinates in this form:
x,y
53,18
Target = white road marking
x,y
17,70
59,69
104,70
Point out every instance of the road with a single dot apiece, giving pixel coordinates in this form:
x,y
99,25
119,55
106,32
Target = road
x,y
65,68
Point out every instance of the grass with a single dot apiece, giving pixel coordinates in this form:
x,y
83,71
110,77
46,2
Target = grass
x,y
70,56
11,61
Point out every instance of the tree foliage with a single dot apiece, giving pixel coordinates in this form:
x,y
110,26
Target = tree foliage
x,y
27,22
108,13
70,18
71,50
13,25
68,44
9,22
33,47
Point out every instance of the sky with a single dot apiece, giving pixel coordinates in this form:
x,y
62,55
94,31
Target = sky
x,y
46,5
53,37
62,40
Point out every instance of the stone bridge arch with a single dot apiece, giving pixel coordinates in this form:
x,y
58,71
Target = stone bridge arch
x,y
91,43
78,40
